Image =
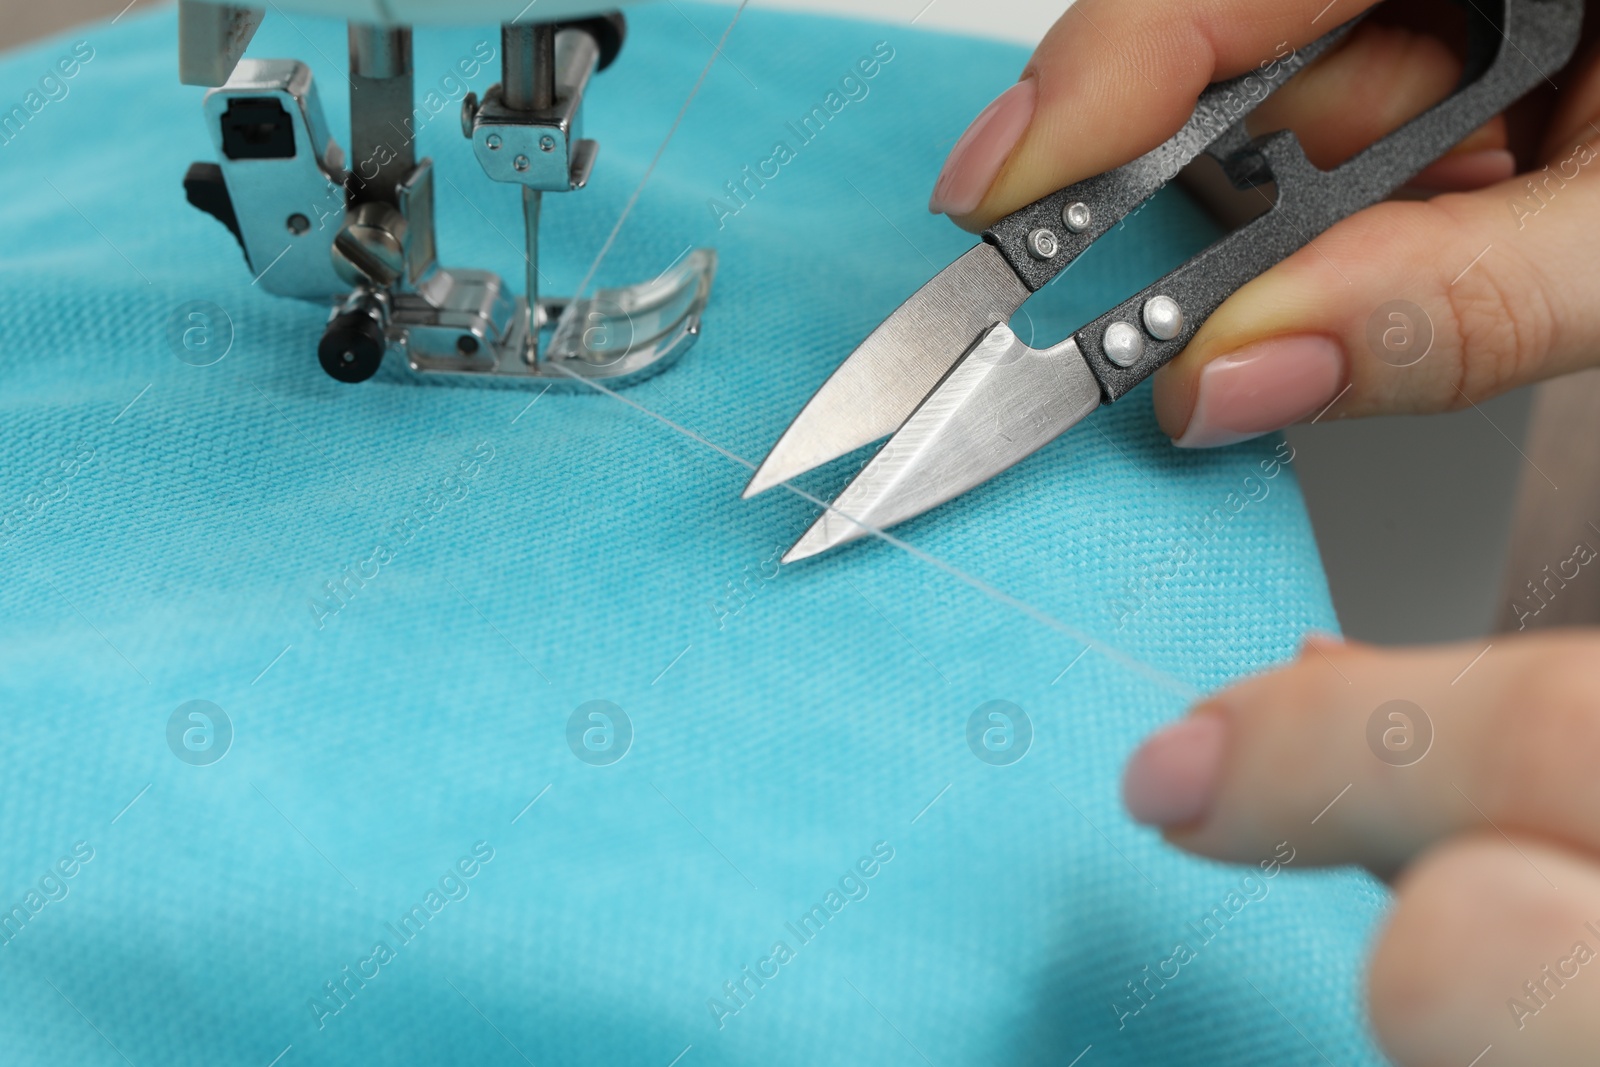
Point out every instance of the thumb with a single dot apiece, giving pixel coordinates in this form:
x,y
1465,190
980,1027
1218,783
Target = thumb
x,y
1406,307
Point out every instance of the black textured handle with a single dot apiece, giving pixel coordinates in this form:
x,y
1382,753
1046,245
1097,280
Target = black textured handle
x,y
1217,125
1529,40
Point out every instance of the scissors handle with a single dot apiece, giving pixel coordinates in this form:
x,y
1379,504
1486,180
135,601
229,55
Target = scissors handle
x,y
1513,48
1080,214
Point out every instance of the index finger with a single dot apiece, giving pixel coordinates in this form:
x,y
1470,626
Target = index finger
x,y
1369,756
1112,80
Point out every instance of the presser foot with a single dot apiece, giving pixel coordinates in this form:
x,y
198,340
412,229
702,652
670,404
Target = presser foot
x,y
461,322
358,232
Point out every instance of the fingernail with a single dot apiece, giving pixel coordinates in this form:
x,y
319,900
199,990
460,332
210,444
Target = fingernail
x,y
975,161
1171,779
1263,387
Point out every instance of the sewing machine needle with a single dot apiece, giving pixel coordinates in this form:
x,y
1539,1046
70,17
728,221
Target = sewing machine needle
x,y
1000,404
884,379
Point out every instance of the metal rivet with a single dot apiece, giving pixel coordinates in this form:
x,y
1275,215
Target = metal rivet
x,y
1124,345
1042,244
492,142
547,143
1163,317
297,224
1076,217
521,163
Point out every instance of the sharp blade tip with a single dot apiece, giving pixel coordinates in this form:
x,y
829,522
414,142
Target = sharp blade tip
x,y
823,536
765,477
809,545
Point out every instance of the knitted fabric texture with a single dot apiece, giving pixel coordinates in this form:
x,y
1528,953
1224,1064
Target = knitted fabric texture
x,y
400,601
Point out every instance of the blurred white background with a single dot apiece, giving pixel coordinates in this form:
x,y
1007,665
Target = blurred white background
x,y
1015,20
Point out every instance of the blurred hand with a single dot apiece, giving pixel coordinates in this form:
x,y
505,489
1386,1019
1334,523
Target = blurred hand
x,y
1475,785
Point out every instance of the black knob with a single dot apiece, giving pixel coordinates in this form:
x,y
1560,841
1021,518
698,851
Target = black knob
x,y
352,347
608,30
205,188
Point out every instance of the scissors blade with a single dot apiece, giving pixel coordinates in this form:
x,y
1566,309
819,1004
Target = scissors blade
x,y
1003,402
873,391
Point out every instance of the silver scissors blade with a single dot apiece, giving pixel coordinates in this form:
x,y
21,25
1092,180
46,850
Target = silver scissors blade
x,y
1000,404
873,391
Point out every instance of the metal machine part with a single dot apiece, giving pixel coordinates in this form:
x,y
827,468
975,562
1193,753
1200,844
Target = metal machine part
x,y
211,38
360,238
971,401
280,177
429,12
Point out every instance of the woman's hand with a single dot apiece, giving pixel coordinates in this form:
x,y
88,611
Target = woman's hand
x,y
1471,779
1473,782
1504,274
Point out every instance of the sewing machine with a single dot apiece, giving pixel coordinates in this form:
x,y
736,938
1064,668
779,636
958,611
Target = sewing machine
x,y
356,233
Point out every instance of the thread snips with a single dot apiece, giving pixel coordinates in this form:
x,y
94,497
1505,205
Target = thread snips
x,y
964,399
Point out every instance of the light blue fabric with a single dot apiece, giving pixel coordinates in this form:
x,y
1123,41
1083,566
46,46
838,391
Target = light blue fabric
x,y
167,529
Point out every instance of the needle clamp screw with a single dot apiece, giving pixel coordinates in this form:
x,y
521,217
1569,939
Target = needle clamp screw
x,y
1077,217
1123,343
1042,244
1163,318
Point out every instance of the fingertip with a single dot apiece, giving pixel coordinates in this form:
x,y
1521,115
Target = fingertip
x,y
1262,387
1172,778
982,150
